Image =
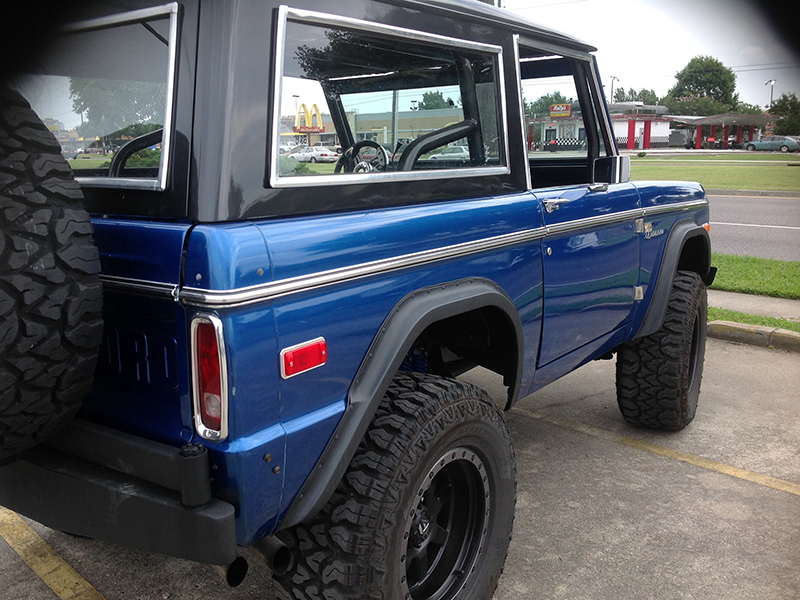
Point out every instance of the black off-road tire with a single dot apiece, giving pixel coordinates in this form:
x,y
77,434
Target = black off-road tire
x,y
50,291
425,509
658,376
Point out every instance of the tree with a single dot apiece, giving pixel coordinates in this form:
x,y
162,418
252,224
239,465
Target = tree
x,y
743,108
113,105
788,107
433,100
694,105
706,77
643,95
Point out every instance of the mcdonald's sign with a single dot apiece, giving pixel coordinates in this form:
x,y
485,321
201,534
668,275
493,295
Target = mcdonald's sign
x,y
308,126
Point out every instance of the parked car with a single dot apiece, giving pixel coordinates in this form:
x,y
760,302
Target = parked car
x,y
452,153
774,142
315,154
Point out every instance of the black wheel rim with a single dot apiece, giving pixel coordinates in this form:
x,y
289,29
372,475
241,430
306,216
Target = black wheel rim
x,y
446,527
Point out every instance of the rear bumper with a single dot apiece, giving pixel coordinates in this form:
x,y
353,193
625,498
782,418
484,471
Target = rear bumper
x,y
133,494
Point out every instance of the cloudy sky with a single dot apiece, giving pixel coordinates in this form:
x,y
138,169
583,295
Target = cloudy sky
x,y
643,43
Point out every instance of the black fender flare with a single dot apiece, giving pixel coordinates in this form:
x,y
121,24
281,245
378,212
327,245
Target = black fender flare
x,y
684,233
407,320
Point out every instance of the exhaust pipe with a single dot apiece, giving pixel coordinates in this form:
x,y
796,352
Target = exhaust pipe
x,y
275,553
234,573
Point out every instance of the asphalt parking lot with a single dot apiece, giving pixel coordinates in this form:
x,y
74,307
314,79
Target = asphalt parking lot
x,y
604,511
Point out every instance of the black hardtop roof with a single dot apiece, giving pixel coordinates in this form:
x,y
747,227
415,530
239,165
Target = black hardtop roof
x,y
486,12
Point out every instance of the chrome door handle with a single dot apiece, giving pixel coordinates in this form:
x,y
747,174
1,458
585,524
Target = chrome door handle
x,y
554,204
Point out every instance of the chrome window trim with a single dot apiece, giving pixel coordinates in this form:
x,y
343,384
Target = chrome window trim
x,y
286,14
554,48
202,430
159,183
601,111
528,180
303,283
354,178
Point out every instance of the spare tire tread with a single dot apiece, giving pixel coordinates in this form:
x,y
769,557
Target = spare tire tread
x,y
50,291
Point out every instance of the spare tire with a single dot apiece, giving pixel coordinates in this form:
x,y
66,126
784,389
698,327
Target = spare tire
x,y
50,291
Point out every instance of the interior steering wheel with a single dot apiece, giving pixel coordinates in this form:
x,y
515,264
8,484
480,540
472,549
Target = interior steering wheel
x,y
354,160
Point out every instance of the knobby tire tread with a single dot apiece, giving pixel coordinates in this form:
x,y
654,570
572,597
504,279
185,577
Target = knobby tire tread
x,y
656,385
50,291
340,553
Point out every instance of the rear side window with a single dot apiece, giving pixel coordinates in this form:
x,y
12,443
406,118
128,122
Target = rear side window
x,y
358,101
105,90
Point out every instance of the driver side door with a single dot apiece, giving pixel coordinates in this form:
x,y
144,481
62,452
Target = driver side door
x,y
591,250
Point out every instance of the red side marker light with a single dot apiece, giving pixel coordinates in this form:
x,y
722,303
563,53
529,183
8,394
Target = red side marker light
x,y
303,357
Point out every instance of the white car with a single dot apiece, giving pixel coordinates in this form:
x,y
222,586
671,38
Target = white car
x,y
315,154
452,153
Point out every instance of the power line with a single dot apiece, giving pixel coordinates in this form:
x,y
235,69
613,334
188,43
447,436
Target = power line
x,y
773,64
546,5
774,68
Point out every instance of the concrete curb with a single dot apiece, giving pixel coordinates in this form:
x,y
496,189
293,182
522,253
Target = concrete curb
x,y
755,193
755,335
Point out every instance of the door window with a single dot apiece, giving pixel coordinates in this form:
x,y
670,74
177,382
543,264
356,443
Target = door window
x,y
563,128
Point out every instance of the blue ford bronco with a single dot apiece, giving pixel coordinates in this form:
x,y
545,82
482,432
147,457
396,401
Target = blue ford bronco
x,y
212,338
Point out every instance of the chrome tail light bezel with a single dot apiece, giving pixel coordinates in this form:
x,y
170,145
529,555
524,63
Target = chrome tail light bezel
x,y
200,427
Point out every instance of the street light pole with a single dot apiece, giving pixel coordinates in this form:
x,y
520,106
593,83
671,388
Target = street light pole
x,y
771,83
611,98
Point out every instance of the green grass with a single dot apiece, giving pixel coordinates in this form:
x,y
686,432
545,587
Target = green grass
x,y
721,314
88,163
754,157
760,276
777,177
321,168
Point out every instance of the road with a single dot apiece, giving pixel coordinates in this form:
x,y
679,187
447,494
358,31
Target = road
x,y
765,227
604,511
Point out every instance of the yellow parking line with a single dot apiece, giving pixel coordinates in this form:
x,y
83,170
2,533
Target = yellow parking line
x,y
698,461
45,562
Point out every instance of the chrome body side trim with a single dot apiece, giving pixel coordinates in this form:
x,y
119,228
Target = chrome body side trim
x,y
302,283
677,207
312,281
150,288
590,222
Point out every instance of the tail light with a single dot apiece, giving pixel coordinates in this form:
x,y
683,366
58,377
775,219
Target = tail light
x,y
210,378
